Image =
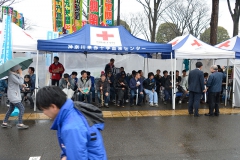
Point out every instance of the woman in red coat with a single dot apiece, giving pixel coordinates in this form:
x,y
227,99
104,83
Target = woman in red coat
x,y
56,69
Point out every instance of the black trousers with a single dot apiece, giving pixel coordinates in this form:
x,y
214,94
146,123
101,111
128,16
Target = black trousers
x,y
54,82
194,102
213,100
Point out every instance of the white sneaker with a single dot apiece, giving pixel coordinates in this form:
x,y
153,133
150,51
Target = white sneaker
x,y
180,102
155,104
151,104
126,100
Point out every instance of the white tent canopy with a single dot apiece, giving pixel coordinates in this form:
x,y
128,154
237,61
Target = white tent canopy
x,y
21,41
190,47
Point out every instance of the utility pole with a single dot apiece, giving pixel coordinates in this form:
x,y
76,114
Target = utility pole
x,y
118,14
214,22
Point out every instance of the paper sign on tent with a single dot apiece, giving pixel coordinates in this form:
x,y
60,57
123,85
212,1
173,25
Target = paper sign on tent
x,y
105,37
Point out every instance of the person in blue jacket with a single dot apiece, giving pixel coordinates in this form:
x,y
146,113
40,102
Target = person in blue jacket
x,y
78,134
136,88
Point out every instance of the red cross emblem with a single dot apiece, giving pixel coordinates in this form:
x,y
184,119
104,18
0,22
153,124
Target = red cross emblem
x,y
226,44
105,35
174,43
196,43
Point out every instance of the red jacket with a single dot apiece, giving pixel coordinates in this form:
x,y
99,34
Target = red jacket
x,y
58,75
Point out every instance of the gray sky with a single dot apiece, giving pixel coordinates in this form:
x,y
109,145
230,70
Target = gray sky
x,y
40,14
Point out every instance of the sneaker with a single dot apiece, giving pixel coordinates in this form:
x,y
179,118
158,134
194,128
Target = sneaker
x,y
126,100
180,102
22,126
106,105
151,104
155,104
6,126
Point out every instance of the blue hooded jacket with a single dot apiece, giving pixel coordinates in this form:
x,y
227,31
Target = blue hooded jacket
x,y
77,140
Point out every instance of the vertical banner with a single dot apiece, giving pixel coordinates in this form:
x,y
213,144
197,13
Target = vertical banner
x,y
57,16
51,35
107,12
93,12
21,21
6,36
68,16
77,15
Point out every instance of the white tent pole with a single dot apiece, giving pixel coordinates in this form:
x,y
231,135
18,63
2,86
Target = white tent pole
x,y
36,82
226,91
173,107
147,66
174,83
234,81
64,63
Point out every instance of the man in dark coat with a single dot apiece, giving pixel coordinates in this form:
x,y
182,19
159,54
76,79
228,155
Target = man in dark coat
x,y
195,87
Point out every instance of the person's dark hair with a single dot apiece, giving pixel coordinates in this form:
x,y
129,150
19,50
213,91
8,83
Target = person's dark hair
x,y
158,70
177,71
205,74
50,95
140,71
184,70
88,73
134,72
219,67
199,64
83,71
66,75
74,73
32,69
56,57
112,60
122,68
165,72
27,76
150,74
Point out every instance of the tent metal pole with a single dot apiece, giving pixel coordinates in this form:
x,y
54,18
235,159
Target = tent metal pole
x,y
174,84
233,89
36,82
173,107
226,91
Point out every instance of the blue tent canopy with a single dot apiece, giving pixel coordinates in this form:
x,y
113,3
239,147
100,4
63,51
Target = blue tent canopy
x,y
97,39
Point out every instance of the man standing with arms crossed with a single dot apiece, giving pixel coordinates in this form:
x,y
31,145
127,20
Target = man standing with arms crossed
x,y
56,69
195,87
214,86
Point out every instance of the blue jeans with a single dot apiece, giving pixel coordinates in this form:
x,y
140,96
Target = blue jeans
x,y
112,93
81,96
11,109
105,98
93,92
153,97
167,94
133,94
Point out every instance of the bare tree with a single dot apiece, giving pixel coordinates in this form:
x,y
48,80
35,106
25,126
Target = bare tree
x,y
214,22
7,2
190,16
153,10
235,16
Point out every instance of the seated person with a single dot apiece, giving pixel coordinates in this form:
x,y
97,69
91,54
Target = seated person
x,y
206,75
27,91
67,82
74,77
119,74
121,89
92,85
183,85
136,88
167,90
84,86
157,78
110,79
149,86
103,87
131,76
164,78
123,75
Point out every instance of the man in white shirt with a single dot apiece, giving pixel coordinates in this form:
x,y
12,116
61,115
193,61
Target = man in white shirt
x,y
183,86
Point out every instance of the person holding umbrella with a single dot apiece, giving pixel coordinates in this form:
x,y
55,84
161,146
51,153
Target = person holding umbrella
x,y
15,80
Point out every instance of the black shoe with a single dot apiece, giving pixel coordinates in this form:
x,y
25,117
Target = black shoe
x,y
197,115
139,105
216,114
131,105
210,115
190,113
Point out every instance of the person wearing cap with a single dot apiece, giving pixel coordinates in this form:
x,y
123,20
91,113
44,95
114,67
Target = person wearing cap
x,y
214,87
92,85
67,82
27,92
109,66
195,87
15,80
84,86
56,69
104,87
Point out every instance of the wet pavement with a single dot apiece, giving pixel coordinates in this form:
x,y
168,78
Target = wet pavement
x,y
137,138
